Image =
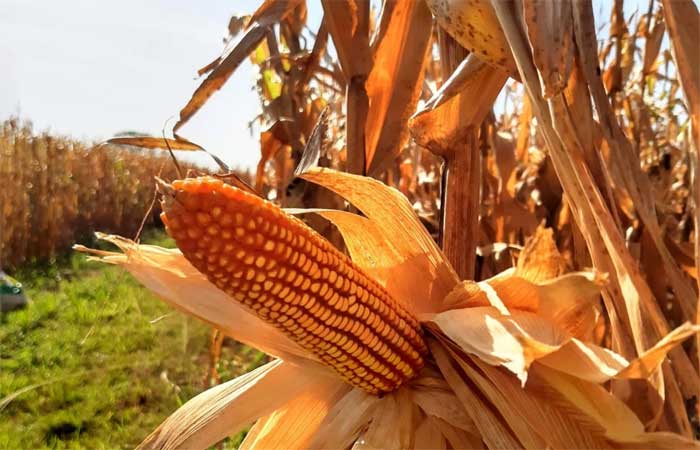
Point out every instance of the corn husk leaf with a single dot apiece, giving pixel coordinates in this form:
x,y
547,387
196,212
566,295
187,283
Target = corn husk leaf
x,y
420,265
629,292
171,277
434,397
391,423
346,420
429,437
575,413
496,432
224,409
516,340
294,425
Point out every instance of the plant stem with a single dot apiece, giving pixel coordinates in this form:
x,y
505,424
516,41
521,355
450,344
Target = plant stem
x,y
460,224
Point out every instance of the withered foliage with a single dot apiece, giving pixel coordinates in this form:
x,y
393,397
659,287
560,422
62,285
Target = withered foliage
x,y
521,114
57,191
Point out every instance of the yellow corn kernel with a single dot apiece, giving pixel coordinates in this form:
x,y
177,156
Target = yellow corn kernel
x,y
291,277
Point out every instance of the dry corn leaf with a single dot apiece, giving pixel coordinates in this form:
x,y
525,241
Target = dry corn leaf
x,y
294,425
216,413
624,165
652,46
598,365
429,437
496,432
345,421
550,29
456,437
540,259
592,216
683,23
474,25
219,75
155,142
349,40
438,400
621,425
395,82
270,12
390,424
270,145
460,104
558,424
314,146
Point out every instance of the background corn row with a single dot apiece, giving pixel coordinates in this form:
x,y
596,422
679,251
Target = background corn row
x,y
56,191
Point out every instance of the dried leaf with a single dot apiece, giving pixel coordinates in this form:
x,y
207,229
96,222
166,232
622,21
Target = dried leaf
x,y
550,29
224,409
540,259
270,12
294,425
270,144
217,77
312,150
349,39
461,104
475,26
155,142
395,82
495,431
346,420
682,19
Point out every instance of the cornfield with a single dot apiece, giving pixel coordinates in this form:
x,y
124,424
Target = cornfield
x,y
57,191
514,193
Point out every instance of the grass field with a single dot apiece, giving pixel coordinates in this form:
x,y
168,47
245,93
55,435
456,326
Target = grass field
x,y
96,361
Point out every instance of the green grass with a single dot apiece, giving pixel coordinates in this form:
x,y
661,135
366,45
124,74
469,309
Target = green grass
x,y
87,365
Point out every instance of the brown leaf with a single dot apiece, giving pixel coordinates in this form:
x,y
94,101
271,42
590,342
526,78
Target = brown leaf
x,y
395,82
461,103
419,269
474,25
652,46
214,414
540,259
683,23
156,143
550,29
271,142
270,12
349,39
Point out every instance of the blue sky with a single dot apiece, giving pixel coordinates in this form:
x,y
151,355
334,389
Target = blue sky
x,y
91,69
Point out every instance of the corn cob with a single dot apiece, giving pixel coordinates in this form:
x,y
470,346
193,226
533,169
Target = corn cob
x,y
291,277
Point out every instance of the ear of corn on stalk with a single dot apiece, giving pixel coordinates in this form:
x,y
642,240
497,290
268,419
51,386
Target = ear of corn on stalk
x,y
292,278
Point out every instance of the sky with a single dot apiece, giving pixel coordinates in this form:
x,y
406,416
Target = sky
x,y
91,69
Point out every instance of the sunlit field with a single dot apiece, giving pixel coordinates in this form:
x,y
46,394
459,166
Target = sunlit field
x,y
469,224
